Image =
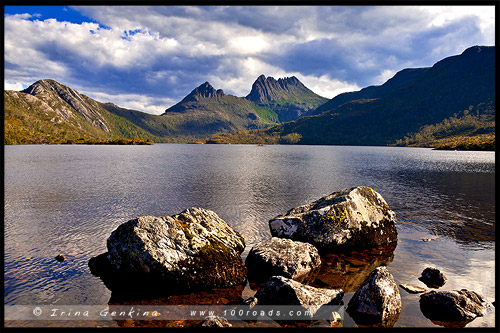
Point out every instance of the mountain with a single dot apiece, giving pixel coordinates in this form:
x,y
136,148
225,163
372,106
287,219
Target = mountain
x,y
49,112
450,102
287,97
205,111
400,79
404,105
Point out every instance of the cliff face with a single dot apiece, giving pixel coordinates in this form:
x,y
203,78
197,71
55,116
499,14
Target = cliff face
x,y
287,97
271,90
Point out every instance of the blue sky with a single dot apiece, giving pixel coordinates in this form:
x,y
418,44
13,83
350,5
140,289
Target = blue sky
x,y
149,58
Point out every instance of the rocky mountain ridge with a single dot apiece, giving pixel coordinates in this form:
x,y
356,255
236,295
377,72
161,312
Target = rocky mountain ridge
x,y
50,112
65,101
456,90
287,97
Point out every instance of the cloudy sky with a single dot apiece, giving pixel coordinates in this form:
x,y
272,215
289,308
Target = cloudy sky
x,y
149,58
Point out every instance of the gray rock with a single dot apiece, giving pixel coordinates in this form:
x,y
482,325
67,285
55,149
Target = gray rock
x,y
195,249
353,218
280,290
432,277
377,299
412,289
455,305
215,321
284,257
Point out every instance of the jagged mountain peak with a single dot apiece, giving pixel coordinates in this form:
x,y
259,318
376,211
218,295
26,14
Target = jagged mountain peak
x,y
283,82
205,90
268,89
287,97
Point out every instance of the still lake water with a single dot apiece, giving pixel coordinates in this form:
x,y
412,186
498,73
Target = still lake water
x,y
68,199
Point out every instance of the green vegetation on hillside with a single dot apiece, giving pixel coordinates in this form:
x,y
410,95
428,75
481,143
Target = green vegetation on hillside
x,y
471,129
252,137
29,120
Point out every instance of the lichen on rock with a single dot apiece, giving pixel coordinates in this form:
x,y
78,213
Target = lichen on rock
x,y
195,249
377,300
357,217
281,256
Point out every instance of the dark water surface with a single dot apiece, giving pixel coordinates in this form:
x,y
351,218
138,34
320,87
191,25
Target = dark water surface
x,y
68,199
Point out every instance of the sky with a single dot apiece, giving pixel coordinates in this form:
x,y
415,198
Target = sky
x,y
149,58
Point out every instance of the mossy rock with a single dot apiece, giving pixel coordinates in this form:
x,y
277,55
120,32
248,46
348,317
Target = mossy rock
x,y
357,217
192,250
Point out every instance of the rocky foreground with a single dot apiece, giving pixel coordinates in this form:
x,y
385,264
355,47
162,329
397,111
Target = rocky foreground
x,y
197,250
192,250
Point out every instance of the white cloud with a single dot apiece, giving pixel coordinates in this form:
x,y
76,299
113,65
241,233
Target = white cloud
x,y
14,86
485,16
384,76
326,86
137,102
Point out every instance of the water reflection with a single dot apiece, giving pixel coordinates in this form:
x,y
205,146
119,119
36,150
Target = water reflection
x,y
348,271
386,323
218,296
457,205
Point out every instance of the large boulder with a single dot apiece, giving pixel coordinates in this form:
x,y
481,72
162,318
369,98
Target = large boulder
x,y
377,299
454,305
284,257
353,218
280,290
195,249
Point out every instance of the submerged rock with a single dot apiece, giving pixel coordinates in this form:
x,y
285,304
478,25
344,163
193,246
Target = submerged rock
x,y
377,299
195,249
280,256
455,305
215,321
280,290
412,289
349,270
432,277
353,218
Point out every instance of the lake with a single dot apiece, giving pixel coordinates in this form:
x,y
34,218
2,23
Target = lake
x,y
68,199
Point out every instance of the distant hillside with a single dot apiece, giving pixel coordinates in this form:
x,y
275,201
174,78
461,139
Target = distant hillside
x,y
473,128
400,79
49,112
287,97
412,99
